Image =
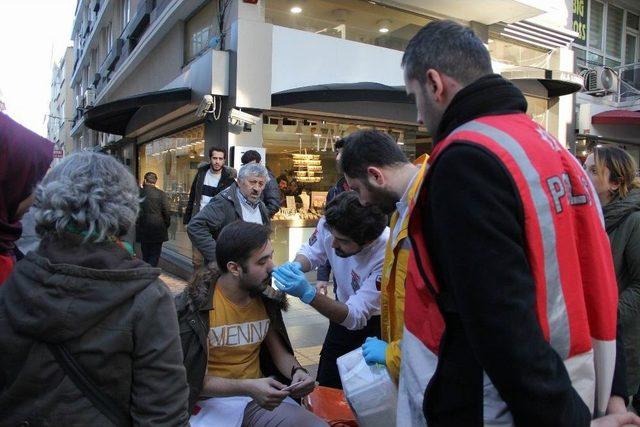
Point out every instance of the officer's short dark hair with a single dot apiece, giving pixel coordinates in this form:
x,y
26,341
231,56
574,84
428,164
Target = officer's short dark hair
x,y
362,224
250,156
219,150
449,48
238,240
339,144
367,148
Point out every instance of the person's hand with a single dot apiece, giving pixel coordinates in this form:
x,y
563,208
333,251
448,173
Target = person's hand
x,y
307,386
321,287
267,392
616,405
291,267
617,420
374,351
292,280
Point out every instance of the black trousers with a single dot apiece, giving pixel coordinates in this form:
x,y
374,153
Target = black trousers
x,y
340,341
151,252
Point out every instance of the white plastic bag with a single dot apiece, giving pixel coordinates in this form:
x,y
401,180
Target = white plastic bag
x,y
369,390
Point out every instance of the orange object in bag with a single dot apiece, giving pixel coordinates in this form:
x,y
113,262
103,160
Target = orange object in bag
x,y
329,404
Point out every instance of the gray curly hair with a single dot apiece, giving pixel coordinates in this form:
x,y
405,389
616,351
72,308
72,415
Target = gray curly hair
x,y
253,169
88,191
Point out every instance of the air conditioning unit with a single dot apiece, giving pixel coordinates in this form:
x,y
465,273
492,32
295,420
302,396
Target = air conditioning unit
x,y
600,81
79,101
89,97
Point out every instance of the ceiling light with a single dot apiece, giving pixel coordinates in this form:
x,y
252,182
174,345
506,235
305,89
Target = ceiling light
x,y
383,26
296,9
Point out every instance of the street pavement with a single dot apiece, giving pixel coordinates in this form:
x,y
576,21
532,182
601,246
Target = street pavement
x,y
306,327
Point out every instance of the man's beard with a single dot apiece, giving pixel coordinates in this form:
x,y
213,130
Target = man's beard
x,y
216,168
383,199
251,288
343,254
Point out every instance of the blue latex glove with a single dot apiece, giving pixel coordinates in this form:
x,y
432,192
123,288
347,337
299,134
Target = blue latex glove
x,y
374,351
290,279
291,267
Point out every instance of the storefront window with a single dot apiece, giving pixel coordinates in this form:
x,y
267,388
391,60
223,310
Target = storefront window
x,y
356,20
175,159
300,154
508,52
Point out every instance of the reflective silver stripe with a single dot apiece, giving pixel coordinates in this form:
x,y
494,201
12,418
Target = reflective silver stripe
x,y
559,334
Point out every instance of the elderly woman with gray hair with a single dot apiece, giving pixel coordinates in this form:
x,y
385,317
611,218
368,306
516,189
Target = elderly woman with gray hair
x,y
89,334
239,201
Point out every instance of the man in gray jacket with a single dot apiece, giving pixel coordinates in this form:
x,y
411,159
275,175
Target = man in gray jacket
x,y
271,193
241,200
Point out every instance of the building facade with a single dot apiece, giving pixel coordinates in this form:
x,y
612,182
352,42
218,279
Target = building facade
x,y
608,56
61,107
158,82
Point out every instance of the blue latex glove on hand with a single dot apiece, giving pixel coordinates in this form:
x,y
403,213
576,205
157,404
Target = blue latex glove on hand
x,y
290,267
374,351
290,279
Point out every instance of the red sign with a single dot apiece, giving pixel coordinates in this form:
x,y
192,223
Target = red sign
x,y
57,154
251,1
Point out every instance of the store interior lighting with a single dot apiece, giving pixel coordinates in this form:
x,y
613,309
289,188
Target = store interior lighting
x,y
296,10
383,26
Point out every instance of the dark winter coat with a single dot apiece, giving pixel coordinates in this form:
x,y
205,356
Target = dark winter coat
x,y
271,195
225,208
622,220
154,218
227,178
193,306
116,318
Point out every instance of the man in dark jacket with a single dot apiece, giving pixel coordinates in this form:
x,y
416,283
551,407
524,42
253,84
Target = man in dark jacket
x,y
83,289
153,220
211,179
271,194
234,339
239,201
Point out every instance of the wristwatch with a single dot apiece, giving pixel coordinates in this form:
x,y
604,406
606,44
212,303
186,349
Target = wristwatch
x,y
298,368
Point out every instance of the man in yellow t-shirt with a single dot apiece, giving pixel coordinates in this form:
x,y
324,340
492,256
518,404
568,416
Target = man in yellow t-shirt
x,y
241,324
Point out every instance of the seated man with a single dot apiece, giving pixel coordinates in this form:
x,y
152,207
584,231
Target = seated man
x,y
353,238
248,354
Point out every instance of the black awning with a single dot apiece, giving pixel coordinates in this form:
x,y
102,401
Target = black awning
x,y
114,117
342,92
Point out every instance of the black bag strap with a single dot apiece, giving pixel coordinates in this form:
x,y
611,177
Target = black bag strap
x,y
77,374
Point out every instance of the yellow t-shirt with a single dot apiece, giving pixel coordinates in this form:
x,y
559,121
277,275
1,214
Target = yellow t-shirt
x,y
235,336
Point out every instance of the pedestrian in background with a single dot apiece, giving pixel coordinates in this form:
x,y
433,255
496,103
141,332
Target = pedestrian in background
x,y
613,173
239,201
271,193
153,221
89,334
212,177
24,159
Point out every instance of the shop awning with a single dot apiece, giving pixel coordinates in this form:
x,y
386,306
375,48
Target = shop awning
x,y
556,82
616,117
362,100
342,92
114,117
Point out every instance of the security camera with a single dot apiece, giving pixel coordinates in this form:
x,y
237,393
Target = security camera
x,y
205,106
236,116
